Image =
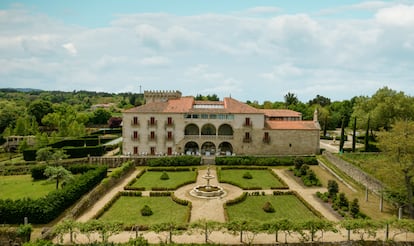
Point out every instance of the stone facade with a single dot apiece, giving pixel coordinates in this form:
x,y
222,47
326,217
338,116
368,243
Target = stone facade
x,y
173,125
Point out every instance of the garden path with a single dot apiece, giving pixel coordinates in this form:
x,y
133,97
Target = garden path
x,y
308,193
90,213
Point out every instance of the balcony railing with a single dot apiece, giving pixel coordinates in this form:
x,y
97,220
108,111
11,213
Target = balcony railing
x,y
248,124
152,123
134,138
134,123
152,138
266,140
247,140
169,124
211,137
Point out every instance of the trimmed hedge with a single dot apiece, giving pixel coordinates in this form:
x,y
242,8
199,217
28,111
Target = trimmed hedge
x,y
37,171
45,209
263,161
174,161
79,152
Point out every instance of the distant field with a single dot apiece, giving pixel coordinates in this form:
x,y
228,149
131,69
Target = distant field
x,y
286,206
261,178
152,179
20,186
127,209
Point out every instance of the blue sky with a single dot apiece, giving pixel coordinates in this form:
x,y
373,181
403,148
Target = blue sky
x,y
251,50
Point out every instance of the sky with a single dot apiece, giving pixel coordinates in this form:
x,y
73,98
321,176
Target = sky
x,y
249,50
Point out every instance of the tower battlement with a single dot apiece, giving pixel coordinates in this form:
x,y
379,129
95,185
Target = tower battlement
x,y
160,96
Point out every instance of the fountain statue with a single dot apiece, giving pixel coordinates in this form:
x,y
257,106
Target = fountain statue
x,y
207,190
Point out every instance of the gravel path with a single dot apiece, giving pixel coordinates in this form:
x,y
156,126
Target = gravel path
x,y
90,213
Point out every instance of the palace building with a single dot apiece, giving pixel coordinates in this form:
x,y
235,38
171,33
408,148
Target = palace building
x,y
172,124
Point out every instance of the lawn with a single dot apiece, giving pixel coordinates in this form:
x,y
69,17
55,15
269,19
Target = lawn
x,y
151,179
20,186
127,209
261,178
379,166
286,206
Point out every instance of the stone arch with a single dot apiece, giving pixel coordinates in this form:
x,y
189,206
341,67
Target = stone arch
x,y
208,129
191,129
225,130
225,148
191,148
208,148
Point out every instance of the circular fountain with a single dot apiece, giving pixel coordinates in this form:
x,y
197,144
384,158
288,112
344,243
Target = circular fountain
x,y
206,191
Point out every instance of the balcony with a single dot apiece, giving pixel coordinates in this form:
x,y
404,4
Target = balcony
x,y
134,138
152,138
248,124
247,139
134,123
152,123
169,124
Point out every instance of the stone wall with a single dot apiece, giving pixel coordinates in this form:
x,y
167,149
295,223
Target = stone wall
x,y
355,173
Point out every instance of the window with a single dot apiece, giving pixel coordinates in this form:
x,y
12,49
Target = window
x,y
247,122
266,137
152,121
135,135
169,121
135,150
152,150
135,120
152,135
169,151
169,135
247,138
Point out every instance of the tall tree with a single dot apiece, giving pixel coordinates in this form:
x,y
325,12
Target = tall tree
x,y
39,108
354,134
291,99
342,141
398,144
321,100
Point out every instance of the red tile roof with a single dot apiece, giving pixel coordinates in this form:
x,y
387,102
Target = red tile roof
x,y
291,125
281,113
185,105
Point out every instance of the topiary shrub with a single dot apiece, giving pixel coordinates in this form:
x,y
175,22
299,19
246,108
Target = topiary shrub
x,y
164,176
247,175
146,211
268,208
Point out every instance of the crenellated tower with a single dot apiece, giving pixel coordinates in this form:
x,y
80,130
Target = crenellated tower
x,y
160,96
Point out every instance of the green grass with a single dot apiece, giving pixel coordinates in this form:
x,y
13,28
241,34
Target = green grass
x,y
261,178
379,166
20,186
151,179
127,209
286,206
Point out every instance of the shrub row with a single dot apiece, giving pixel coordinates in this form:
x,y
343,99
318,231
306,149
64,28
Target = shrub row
x,y
72,152
45,209
107,206
184,203
155,194
170,169
174,161
263,161
75,143
284,185
131,193
242,167
124,168
37,171
237,200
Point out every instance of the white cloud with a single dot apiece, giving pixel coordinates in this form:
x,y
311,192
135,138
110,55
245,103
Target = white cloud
x,y
399,15
250,57
70,48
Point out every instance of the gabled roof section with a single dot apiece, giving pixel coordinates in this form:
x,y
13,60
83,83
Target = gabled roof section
x,y
281,113
236,107
291,125
189,105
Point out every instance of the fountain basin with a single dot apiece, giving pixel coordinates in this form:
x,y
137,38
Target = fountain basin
x,y
207,191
